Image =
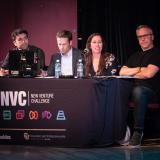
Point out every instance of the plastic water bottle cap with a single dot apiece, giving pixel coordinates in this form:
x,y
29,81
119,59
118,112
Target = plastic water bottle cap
x,y
80,60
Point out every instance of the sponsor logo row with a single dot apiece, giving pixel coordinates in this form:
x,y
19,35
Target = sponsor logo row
x,y
32,115
28,136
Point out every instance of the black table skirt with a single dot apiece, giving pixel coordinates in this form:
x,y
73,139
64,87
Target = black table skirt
x,y
63,112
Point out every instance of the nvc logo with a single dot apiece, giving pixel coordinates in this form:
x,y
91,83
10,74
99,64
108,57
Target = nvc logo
x,y
13,98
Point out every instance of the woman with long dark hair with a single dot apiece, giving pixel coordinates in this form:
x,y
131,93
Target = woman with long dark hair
x,y
97,61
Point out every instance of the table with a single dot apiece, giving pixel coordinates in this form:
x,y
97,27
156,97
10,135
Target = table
x,y
63,112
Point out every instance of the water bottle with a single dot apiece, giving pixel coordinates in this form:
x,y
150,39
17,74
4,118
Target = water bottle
x,y
79,68
57,68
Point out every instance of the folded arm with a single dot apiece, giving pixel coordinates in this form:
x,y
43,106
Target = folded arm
x,y
140,72
127,71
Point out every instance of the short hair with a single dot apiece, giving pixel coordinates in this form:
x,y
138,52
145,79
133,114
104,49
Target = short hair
x,y
18,31
144,26
64,34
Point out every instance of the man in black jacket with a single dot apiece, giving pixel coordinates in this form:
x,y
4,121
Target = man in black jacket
x,y
21,42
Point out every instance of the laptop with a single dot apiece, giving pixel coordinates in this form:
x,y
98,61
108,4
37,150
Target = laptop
x,y
22,63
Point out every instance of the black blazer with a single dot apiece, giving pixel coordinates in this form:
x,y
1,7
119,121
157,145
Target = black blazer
x,y
76,54
40,54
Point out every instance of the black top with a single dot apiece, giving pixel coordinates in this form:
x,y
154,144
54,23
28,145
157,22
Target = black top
x,y
40,58
143,59
110,68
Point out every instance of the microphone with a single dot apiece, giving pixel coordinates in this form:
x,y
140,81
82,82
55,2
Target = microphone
x,y
86,51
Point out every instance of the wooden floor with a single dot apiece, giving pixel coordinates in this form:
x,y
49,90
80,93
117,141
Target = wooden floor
x,y
150,150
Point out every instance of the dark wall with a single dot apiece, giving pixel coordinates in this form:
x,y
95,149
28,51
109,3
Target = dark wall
x,y
42,18
114,19
117,21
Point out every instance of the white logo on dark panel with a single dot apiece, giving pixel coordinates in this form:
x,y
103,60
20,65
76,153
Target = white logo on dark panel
x,y
61,115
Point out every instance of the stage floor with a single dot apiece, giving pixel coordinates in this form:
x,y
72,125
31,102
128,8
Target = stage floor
x,y
150,150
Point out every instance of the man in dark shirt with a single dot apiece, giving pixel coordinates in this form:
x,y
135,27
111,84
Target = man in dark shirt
x,y
21,42
145,67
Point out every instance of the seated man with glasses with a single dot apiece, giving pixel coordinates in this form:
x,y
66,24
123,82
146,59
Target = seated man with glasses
x,y
20,39
145,67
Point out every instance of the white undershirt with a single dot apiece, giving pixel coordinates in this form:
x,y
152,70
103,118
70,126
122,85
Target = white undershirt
x,y
66,63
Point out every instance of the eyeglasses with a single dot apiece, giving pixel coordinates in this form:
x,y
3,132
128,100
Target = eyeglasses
x,y
143,36
22,39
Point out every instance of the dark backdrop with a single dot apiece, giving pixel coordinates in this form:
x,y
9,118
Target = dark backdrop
x,y
117,20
